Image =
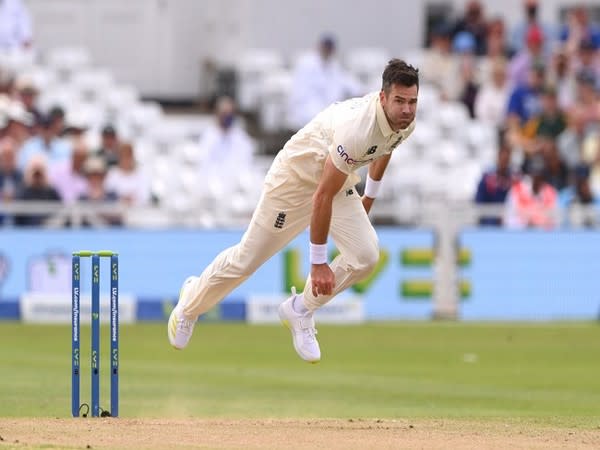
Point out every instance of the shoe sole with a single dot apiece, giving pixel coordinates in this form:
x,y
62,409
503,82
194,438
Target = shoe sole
x,y
286,324
172,329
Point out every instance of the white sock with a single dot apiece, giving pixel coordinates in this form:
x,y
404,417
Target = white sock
x,y
298,304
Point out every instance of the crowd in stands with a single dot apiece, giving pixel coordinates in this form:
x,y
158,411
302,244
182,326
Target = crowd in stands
x,y
535,83
538,84
45,158
44,154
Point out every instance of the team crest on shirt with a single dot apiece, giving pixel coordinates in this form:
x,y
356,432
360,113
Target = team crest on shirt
x,y
280,220
395,144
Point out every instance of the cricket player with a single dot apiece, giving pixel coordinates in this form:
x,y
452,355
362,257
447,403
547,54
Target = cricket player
x,y
311,182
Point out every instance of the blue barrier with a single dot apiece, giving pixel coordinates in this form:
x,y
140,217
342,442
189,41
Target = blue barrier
x,y
513,275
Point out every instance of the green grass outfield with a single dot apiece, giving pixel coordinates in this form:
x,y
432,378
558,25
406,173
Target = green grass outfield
x,y
542,373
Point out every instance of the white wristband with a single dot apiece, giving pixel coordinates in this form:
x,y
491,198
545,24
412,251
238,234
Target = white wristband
x,y
372,187
318,253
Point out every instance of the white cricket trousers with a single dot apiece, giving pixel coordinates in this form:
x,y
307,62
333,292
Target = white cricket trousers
x,y
283,212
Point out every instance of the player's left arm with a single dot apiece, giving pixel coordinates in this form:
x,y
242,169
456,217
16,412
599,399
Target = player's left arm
x,y
376,171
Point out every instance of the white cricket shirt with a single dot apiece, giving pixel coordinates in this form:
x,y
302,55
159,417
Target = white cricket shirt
x,y
354,133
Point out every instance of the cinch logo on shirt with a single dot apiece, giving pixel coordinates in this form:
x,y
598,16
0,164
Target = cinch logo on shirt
x,y
345,156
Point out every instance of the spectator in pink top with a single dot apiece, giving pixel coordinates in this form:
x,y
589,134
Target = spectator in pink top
x,y
68,177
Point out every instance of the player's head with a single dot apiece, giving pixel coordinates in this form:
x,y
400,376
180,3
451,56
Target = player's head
x,y
399,89
401,73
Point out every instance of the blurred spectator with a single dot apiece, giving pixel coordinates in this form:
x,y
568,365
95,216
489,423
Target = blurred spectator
x,y
28,93
561,75
11,178
549,122
557,173
496,45
530,19
225,143
440,66
464,47
586,107
19,123
492,99
318,81
109,146
470,86
578,28
531,56
571,141
464,43
590,156
7,81
75,125
474,23
57,120
36,188
586,60
15,25
127,180
68,176
48,143
524,101
496,49
579,194
531,201
95,171
495,184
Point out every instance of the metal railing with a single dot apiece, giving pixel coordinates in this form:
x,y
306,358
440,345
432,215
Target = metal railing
x,y
56,214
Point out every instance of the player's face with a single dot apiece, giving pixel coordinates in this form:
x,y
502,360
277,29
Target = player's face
x,y
400,105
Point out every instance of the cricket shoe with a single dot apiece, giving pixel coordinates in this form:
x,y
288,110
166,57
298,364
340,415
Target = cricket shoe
x,y
302,327
179,328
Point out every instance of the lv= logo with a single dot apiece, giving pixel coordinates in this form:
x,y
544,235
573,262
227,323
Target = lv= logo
x,y
295,277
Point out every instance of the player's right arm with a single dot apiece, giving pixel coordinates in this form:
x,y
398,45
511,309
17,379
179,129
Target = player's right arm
x,y
332,180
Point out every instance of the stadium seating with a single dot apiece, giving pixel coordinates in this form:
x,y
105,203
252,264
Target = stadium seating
x,y
443,159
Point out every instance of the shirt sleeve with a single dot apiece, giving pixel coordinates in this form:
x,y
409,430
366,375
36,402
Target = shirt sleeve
x,y
344,149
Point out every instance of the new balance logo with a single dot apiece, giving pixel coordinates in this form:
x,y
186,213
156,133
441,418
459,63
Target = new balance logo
x,y
280,221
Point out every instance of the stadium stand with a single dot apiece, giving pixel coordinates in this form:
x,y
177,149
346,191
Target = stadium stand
x,y
443,160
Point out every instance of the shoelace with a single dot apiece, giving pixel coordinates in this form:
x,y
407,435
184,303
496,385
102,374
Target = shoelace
x,y
307,328
310,332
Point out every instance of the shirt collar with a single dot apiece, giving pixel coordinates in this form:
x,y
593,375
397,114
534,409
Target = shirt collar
x,y
384,125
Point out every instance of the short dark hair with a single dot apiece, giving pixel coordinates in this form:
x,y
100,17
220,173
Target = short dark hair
x,y
399,72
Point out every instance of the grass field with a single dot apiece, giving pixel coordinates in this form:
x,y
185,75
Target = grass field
x,y
537,373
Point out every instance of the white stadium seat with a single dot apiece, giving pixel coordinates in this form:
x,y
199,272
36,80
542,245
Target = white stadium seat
x,y
67,60
367,64
252,67
275,89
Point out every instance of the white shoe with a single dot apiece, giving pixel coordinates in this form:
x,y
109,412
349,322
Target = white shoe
x,y
303,330
179,328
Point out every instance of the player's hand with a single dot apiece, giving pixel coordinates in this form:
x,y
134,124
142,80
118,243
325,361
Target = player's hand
x,y
323,279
